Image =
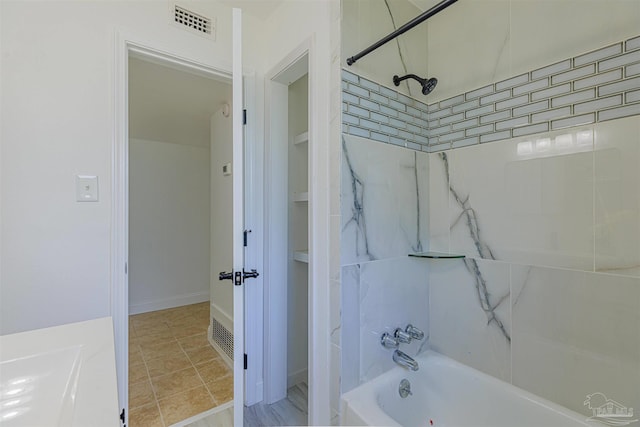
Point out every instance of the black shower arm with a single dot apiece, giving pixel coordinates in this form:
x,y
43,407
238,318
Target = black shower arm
x,y
406,27
397,80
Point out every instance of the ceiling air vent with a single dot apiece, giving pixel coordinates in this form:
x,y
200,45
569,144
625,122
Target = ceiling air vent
x,y
195,22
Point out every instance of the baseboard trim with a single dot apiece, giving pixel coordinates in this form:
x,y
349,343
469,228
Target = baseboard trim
x,y
165,303
301,376
205,414
221,316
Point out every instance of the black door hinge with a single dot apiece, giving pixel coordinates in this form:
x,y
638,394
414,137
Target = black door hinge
x,y
122,416
245,361
244,117
245,233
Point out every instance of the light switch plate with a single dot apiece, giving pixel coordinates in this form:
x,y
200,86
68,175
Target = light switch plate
x,y
226,169
86,188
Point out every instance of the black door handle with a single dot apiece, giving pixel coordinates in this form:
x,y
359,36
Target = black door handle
x,y
245,275
250,274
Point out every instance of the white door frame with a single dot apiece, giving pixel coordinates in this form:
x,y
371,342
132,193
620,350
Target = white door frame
x,y
276,251
124,46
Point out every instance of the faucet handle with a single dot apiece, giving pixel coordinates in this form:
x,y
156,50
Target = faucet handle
x,y
414,332
388,341
402,336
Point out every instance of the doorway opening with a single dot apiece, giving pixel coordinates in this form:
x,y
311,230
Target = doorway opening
x,y
181,316
288,283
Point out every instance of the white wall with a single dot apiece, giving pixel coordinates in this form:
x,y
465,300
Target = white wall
x,y
168,225
221,218
59,123
171,105
285,30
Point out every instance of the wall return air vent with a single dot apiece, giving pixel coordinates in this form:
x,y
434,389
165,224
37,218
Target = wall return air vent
x,y
198,23
222,337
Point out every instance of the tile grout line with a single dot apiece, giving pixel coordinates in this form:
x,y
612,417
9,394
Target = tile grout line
x,y
153,390
215,401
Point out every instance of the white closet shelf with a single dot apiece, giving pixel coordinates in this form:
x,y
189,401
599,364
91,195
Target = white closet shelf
x,y
302,256
303,138
301,196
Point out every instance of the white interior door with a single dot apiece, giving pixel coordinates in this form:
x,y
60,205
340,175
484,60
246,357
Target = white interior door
x,y
238,223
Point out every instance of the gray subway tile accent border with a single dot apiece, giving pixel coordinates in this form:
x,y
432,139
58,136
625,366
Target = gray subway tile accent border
x,y
452,101
632,70
479,92
479,111
619,61
371,110
573,98
621,86
573,121
597,55
551,69
545,116
512,102
505,134
548,93
530,87
600,85
465,142
465,124
514,81
495,117
633,43
531,108
573,74
617,113
633,96
512,123
598,104
598,79
531,129
498,96
465,106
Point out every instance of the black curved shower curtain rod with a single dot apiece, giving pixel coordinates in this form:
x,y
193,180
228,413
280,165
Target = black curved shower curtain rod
x,y
406,27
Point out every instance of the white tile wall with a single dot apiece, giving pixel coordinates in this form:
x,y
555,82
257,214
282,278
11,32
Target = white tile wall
x,y
382,288
556,217
576,333
617,190
459,327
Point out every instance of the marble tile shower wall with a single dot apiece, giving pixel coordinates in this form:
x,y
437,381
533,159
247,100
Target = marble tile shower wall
x,y
548,216
597,86
384,205
548,297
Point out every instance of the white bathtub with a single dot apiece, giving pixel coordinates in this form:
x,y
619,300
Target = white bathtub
x,y
447,393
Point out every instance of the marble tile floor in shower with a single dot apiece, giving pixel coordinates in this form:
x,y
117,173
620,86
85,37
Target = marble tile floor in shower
x,y
291,411
174,373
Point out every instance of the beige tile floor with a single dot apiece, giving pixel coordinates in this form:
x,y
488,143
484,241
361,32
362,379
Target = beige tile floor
x,y
174,373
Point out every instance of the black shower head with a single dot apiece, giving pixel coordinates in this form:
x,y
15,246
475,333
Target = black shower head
x,y
427,84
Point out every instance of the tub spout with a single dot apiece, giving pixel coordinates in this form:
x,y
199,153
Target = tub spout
x,y
405,360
